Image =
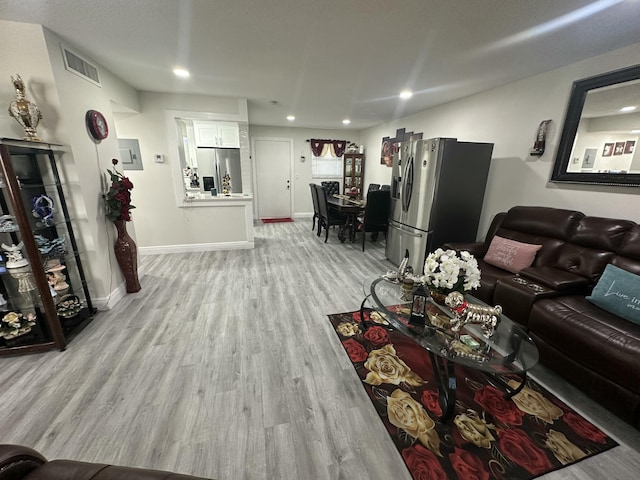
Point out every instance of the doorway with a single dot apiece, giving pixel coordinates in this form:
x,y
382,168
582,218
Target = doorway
x,y
272,157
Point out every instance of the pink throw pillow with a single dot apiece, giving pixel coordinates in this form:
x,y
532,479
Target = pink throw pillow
x,y
510,255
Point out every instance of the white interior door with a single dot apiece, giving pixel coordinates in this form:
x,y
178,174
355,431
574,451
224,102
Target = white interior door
x,y
273,182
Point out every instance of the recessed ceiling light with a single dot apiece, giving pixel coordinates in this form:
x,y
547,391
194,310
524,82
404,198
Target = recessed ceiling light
x,y
181,72
346,121
291,118
406,94
630,108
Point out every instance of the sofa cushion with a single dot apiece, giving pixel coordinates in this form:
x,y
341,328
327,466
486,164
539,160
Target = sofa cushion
x,y
511,255
601,233
542,221
594,338
556,279
618,292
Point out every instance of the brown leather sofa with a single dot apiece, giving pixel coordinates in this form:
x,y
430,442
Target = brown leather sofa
x,y
24,463
593,349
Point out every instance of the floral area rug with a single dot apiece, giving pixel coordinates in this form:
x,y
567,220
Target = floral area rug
x,y
489,436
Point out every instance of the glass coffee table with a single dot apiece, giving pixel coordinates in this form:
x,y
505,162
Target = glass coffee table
x,y
508,352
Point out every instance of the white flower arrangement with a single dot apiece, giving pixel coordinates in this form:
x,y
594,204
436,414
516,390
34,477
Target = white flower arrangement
x,y
447,270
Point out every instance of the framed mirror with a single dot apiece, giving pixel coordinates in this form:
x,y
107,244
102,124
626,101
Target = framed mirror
x,y
599,141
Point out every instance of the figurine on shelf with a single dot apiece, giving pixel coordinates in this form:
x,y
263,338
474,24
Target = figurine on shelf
x,y
51,249
226,184
55,276
26,113
14,255
487,317
14,324
6,224
25,279
43,208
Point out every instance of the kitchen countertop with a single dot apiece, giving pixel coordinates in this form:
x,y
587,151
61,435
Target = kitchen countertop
x,y
202,199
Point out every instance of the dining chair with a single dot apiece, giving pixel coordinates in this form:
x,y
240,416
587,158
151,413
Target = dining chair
x,y
328,217
316,210
373,186
332,187
376,214
385,187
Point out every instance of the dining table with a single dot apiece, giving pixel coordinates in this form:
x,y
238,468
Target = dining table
x,y
350,208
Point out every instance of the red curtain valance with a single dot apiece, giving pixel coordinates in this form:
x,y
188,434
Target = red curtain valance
x,y
319,148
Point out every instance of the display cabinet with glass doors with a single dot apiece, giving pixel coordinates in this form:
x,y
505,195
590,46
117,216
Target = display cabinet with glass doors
x,y
353,175
44,295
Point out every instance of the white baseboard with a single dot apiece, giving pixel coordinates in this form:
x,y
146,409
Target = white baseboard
x,y
303,215
107,303
196,247
111,301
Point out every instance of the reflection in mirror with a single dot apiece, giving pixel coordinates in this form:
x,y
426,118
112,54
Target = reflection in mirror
x,y
601,131
205,168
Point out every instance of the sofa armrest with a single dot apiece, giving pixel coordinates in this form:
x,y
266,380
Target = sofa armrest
x,y
17,461
556,279
477,249
71,469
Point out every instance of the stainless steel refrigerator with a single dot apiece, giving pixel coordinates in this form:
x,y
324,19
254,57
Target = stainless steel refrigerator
x,y
437,190
214,164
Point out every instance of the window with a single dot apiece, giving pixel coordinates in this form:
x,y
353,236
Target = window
x,y
326,167
326,160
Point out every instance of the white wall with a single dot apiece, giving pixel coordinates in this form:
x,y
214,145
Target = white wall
x,y
301,175
159,221
509,116
64,98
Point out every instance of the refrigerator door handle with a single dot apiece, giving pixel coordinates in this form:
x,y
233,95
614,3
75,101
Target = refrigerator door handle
x,y
407,186
408,231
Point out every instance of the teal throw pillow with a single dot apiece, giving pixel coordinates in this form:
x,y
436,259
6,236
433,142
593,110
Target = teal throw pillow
x,y
618,292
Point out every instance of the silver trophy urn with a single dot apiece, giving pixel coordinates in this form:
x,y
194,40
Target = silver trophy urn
x,y
26,113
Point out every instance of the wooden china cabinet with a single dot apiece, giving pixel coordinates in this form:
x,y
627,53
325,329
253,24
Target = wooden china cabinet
x,y
353,173
45,298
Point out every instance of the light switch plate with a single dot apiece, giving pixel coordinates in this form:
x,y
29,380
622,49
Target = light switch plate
x,y
158,157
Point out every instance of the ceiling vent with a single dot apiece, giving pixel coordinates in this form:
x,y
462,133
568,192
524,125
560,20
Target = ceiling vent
x,y
81,67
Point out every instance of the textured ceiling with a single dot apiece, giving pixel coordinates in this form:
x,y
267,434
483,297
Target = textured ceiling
x,y
326,60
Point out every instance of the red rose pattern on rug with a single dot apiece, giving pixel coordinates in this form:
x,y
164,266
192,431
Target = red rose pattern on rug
x,y
490,436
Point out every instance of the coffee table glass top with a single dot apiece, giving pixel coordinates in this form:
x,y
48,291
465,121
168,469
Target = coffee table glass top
x,y
508,350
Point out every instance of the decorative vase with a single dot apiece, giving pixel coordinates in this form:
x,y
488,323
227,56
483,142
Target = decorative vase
x,y
127,256
26,113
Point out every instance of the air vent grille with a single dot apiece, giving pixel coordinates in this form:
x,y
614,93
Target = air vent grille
x,y
78,65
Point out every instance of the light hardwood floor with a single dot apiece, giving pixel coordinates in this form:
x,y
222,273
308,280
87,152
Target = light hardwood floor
x,y
225,366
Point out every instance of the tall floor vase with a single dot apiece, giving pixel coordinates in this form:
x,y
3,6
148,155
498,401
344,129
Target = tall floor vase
x,y
127,256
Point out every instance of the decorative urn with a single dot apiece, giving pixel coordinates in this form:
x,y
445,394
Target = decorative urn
x,y
26,113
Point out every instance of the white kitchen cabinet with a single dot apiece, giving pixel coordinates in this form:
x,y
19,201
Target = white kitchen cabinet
x,y
216,134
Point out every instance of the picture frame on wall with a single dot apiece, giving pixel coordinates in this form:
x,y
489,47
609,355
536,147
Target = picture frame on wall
x,y
629,146
589,159
619,148
386,153
607,151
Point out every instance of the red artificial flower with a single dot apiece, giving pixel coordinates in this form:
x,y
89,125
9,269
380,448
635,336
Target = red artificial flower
x,y
118,198
126,183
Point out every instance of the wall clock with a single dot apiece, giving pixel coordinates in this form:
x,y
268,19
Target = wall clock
x,y
97,125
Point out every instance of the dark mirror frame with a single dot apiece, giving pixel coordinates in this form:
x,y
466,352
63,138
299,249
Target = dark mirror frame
x,y
572,119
